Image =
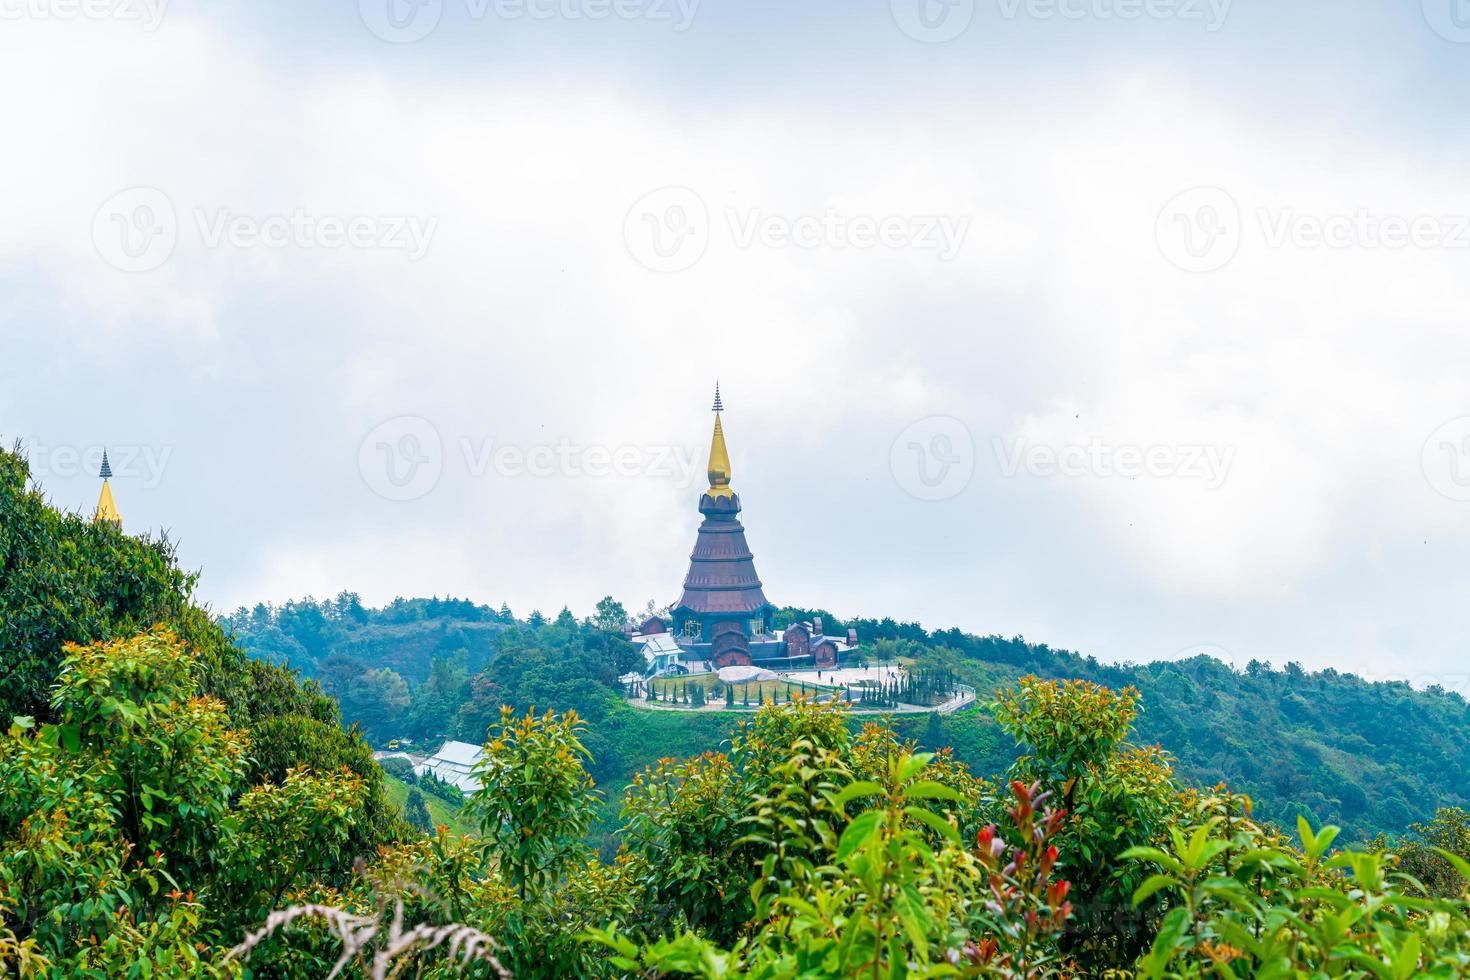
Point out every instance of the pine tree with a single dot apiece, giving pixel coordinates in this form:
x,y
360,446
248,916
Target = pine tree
x,y
729,696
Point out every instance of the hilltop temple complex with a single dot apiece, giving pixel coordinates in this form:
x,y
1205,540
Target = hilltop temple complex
x,y
722,617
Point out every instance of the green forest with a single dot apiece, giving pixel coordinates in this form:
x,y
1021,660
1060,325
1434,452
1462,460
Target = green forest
x,y
177,801
1371,758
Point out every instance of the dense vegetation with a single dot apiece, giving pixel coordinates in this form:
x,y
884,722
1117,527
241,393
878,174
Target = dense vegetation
x,y
169,807
131,844
1371,758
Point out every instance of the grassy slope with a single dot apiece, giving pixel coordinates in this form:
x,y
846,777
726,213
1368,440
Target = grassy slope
x,y
440,811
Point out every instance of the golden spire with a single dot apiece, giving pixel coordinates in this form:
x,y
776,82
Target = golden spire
x,y
719,456
106,506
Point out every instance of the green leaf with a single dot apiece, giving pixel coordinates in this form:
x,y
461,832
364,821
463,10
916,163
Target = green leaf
x,y
1173,928
935,821
860,788
1153,884
857,833
912,764
930,790
1156,856
1406,963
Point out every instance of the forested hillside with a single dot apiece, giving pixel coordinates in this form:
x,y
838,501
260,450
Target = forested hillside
x,y
171,807
1370,757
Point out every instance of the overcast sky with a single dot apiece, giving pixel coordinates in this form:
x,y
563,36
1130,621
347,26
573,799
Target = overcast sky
x,y
1136,327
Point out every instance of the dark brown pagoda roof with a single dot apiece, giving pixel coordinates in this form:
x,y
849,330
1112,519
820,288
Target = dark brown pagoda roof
x,y
722,579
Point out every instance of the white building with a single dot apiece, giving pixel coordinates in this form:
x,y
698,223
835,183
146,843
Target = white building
x,y
660,654
454,763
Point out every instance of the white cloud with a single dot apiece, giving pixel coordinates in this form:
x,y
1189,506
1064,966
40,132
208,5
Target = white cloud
x,y
528,322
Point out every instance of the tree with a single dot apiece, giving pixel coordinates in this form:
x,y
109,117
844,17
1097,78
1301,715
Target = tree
x,y
610,615
416,812
934,733
536,799
377,699
1115,798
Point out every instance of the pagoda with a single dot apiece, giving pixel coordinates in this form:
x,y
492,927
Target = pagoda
x,y
723,618
723,605
107,511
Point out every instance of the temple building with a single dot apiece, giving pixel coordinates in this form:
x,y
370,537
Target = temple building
x,y
106,506
723,618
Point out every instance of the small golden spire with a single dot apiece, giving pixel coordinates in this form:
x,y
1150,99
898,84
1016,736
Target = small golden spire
x,y
106,506
719,456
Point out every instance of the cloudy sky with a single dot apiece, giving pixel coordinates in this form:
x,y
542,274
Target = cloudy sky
x,y
1136,327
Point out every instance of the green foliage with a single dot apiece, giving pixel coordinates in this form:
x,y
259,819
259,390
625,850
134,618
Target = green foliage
x,y
279,744
610,616
1369,757
418,667
682,820
1427,852
536,800
130,835
1245,903
132,802
416,812
1114,798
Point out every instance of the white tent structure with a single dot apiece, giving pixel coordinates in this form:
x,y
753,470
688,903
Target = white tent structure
x,y
454,763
